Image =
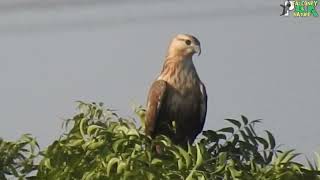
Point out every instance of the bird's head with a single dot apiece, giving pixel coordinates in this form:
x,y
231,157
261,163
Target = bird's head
x,y
184,45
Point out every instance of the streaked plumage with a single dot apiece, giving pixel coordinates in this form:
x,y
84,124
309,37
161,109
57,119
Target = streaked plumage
x,y
178,94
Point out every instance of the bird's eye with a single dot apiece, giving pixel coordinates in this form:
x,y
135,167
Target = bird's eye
x,y
188,42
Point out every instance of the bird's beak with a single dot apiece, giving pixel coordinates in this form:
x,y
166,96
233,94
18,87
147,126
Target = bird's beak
x,y
197,49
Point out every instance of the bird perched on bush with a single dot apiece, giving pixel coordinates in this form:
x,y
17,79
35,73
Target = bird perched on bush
x,y
177,100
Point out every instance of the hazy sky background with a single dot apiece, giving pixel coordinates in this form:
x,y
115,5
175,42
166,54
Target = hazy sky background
x,y
253,62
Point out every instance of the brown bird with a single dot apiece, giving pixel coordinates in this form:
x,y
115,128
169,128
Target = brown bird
x,y
177,100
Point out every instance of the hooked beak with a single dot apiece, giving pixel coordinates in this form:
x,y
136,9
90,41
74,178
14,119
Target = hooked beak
x,y
197,49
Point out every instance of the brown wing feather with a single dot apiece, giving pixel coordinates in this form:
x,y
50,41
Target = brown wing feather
x,y
203,105
155,100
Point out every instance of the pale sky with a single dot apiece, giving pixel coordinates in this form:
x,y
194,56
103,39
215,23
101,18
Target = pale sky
x,y
253,62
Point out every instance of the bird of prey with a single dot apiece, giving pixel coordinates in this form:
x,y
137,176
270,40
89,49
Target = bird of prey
x,y
177,100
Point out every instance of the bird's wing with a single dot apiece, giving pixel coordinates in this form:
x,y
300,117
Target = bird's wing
x,y
203,105
156,96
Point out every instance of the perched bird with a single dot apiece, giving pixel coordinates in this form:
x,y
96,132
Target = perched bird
x,y
177,100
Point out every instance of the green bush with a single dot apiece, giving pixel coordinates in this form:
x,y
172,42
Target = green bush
x,y
98,144
17,159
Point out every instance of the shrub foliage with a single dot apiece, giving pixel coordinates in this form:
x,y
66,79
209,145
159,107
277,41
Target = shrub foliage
x,y
98,144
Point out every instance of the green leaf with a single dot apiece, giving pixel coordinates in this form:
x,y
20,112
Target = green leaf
x,y
111,163
227,129
220,168
121,167
156,161
186,156
133,132
235,122
211,135
92,128
251,136
252,129
235,173
244,119
181,165
271,140
76,142
82,124
189,177
117,143
256,121
263,142
95,145
235,139
244,136
199,157
283,158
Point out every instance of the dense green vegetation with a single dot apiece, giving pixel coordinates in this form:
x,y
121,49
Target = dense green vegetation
x,y
98,144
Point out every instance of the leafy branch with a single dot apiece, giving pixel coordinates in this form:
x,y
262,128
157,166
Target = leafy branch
x,y
99,144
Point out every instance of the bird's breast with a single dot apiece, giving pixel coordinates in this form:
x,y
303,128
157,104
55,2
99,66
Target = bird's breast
x,y
183,91
183,100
